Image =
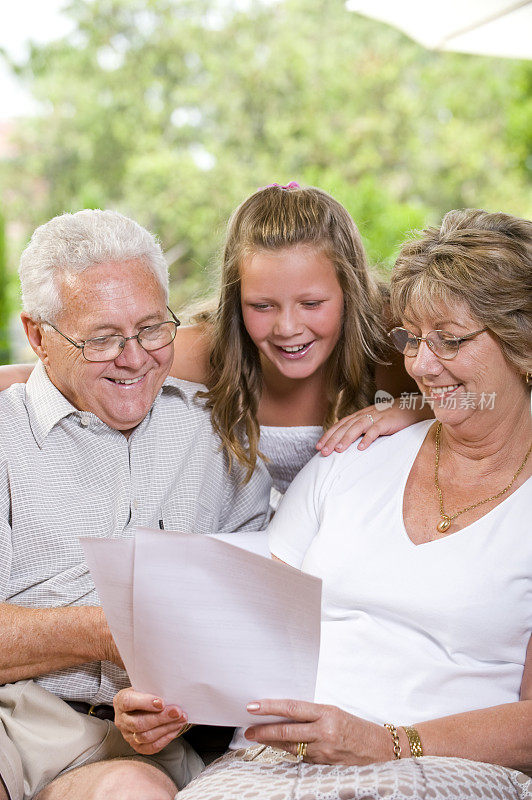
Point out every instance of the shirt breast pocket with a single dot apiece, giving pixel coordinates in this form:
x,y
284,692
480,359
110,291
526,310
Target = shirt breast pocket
x,y
189,515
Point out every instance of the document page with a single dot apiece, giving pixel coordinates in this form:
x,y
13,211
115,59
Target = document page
x,y
111,564
213,626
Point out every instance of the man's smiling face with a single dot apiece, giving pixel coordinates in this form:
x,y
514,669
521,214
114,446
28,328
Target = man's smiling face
x,y
105,299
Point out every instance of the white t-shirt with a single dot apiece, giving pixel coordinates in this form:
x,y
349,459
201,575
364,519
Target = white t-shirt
x,y
408,632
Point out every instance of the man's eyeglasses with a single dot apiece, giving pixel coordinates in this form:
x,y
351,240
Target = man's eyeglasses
x,y
107,348
443,344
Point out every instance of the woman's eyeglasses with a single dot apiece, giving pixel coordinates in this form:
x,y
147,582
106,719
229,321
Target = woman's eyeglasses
x,y
444,345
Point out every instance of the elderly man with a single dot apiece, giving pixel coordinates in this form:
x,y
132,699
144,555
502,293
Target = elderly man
x,y
98,442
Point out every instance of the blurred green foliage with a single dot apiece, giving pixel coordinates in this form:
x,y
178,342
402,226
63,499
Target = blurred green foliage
x,y
4,298
173,111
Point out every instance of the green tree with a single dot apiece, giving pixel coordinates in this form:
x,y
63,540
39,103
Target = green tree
x,y
174,110
4,300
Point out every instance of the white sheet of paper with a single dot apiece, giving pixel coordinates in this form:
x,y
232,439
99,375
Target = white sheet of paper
x,y
253,542
111,564
217,627
206,624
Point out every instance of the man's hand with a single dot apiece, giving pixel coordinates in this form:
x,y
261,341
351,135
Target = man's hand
x,y
145,722
108,648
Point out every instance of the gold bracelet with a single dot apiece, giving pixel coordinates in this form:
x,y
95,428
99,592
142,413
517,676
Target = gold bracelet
x,y
416,748
395,737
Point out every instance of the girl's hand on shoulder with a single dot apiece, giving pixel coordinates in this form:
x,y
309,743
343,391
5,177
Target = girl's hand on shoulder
x,y
332,736
370,423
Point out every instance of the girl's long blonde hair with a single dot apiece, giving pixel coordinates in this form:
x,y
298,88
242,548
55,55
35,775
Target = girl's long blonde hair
x,y
273,218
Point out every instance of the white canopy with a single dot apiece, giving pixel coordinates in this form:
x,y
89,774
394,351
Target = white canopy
x,y
484,27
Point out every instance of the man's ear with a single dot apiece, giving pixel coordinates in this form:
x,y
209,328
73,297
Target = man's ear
x,y
34,333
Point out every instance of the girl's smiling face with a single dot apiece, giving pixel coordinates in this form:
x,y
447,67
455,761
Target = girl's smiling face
x,y
292,306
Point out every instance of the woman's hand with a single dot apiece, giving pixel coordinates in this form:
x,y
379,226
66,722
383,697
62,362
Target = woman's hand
x,y
370,423
145,722
333,736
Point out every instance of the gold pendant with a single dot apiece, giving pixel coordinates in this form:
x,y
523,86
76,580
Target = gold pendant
x,y
444,524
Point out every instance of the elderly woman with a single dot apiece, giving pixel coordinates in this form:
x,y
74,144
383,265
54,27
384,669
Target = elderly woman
x,y
423,543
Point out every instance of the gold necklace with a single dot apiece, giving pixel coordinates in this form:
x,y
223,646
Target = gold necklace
x,y
445,522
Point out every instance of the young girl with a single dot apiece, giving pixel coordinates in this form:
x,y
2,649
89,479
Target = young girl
x,y
298,339
297,343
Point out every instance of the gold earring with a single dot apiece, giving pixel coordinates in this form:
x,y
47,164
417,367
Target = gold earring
x,y
528,378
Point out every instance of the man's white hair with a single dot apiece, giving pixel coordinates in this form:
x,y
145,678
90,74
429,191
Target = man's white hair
x,y
70,243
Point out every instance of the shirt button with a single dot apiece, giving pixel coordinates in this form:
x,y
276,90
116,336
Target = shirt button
x,y
84,420
135,504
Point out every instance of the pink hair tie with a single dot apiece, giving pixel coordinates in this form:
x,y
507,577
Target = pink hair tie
x,y
291,185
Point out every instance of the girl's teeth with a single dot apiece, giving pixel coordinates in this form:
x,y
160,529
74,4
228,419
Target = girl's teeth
x,y
295,349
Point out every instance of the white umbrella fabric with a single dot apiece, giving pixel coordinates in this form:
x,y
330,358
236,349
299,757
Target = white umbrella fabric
x,y
483,27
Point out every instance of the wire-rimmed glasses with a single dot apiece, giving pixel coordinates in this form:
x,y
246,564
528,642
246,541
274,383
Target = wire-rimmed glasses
x,y
443,344
107,348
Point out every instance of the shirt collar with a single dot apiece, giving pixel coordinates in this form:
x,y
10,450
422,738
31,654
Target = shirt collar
x,y
47,405
184,389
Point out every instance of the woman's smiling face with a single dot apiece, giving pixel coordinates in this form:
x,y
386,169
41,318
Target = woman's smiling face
x,y
478,380
292,306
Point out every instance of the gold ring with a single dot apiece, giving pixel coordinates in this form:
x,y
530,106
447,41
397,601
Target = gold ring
x,y
301,749
184,729
136,739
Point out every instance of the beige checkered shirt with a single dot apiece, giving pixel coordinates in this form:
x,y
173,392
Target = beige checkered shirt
x,y
65,474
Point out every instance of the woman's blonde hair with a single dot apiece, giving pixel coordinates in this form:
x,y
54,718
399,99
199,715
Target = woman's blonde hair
x,y
482,259
272,218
